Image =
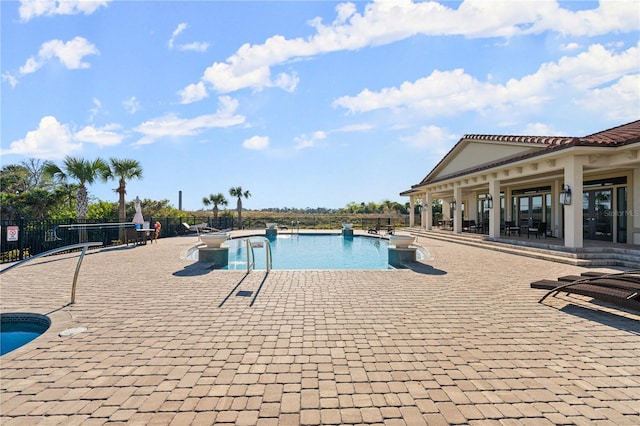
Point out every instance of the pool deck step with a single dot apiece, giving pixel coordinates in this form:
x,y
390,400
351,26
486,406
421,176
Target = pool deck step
x,y
588,256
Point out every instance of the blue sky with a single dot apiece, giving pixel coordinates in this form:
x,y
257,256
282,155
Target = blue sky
x,y
304,104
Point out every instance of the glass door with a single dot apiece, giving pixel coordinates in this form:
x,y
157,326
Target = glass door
x,y
597,215
523,212
530,210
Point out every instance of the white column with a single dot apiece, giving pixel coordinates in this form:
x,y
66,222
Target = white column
x,y
556,209
472,206
573,213
633,222
412,219
494,213
508,205
457,213
427,211
446,209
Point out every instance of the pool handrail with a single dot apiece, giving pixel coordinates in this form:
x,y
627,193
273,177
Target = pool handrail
x,y
269,260
251,263
84,247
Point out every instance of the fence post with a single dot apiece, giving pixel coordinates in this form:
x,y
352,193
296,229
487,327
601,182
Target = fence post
x,y
21,237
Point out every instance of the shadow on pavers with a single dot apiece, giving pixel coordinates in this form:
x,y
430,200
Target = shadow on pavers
x,y
422,268
194,269
608,318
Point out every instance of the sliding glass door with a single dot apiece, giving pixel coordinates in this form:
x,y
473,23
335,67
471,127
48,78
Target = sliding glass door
x,y
597,215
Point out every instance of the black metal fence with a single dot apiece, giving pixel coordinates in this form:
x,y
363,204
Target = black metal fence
x,y
23,238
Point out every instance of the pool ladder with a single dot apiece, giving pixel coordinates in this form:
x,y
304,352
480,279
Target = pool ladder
x,y
251,263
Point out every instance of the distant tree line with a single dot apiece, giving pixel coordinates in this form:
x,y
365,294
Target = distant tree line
x,y
39,189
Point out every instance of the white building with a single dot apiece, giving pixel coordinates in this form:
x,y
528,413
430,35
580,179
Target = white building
x,y
574,188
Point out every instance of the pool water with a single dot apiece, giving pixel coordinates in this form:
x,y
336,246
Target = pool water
x,y
312,251
17,330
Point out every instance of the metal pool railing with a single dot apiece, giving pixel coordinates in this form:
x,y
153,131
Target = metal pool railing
x,y
84,247
251,256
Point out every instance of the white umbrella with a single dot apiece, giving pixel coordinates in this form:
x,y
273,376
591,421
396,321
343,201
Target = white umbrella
x,y
138,219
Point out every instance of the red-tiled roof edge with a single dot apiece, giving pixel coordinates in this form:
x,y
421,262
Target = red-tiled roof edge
x,y
620,135
538,140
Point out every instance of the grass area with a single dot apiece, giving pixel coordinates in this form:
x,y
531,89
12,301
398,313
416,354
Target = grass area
x,y
258,220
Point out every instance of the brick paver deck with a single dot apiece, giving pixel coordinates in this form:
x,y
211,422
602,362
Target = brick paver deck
x,y
463,341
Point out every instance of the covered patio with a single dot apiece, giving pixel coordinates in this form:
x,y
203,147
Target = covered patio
x,y
571,190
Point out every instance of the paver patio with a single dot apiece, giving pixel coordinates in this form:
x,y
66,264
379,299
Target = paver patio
x,y
463,341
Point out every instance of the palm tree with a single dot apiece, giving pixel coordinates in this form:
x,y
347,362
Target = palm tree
x,y
64,192
237,192
85,172
122,170
216,200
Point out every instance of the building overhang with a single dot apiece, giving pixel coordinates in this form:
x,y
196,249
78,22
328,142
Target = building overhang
x,y
538,168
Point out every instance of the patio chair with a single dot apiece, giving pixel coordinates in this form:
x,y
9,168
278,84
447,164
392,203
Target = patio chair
x,y
537,230
621,289
510,227
131,235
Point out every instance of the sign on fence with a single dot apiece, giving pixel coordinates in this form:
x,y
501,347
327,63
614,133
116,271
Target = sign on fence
x,y
12,233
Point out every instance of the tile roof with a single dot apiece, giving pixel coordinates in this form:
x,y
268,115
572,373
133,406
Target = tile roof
x,y
617,136
621,135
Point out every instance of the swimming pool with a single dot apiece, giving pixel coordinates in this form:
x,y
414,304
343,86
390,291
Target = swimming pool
x,y
313,251
18,329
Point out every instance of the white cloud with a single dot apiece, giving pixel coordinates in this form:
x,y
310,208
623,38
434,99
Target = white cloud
x,y
450,92
436,139
193,93
570,46
442,92
540,129
97,107
287,82
305,141
10,78
256,143
131,105
50,141
386,22
171,125
180,28
53,140
196,46
609,16
34,8
361,127
619,101
103,136
70,54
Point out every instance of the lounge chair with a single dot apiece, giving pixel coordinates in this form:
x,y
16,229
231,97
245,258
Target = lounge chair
x,y
198,229
374,229
622,289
